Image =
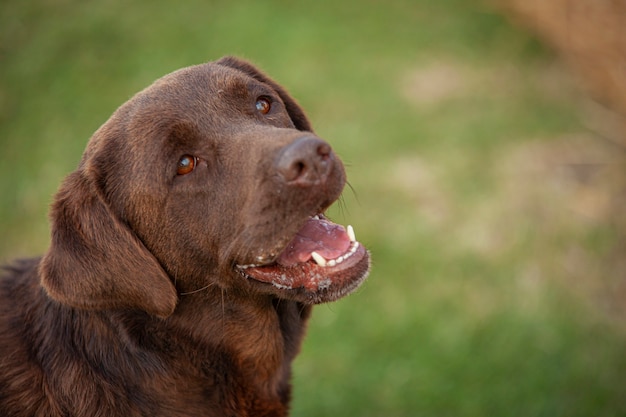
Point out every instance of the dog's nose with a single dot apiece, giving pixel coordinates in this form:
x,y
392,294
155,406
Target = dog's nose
x,y
305,162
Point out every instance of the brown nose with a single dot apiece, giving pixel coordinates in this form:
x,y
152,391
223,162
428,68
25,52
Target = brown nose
x,y
305,162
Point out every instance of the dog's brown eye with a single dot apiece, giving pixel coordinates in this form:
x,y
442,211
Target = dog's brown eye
x,y
186,164
263,105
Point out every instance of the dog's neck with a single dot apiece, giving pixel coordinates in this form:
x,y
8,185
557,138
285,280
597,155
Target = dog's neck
x,y
253,330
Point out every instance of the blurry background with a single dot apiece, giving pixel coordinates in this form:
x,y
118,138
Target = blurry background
x,y
485,154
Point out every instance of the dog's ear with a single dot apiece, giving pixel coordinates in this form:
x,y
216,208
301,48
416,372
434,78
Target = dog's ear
x,y
293,108
95,261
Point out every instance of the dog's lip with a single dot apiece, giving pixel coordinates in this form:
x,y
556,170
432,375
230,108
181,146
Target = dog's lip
x,y
336,264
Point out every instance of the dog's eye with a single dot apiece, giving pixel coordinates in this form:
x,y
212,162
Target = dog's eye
x,y
263,105
186,164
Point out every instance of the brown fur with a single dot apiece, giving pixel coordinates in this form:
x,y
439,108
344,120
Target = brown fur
x,y
137,308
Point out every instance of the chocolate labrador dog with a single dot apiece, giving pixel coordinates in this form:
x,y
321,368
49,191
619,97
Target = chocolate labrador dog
x,y
187,250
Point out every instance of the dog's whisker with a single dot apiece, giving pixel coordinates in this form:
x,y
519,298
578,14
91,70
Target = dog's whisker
x,y
354,193
302,308
198,290
223,315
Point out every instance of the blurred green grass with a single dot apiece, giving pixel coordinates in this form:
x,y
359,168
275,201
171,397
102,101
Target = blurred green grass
x,y
491,287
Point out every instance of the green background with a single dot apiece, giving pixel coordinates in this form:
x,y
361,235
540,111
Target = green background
x,y
464,138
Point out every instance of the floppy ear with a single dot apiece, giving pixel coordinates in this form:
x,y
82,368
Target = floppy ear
x,y
95,261
293,109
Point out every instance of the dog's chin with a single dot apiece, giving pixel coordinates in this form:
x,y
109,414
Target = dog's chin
x,y
322,263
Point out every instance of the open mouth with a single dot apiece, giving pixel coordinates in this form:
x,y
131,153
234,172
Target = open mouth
x,y
324,260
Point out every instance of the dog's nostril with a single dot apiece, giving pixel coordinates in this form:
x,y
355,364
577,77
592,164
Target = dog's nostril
x,y
305,162
299,168
324,150
296,170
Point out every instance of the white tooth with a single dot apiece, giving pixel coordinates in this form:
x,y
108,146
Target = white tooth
x,y
319,259
351,234
332,262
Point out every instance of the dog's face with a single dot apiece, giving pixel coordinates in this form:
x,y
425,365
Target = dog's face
x,y
214,175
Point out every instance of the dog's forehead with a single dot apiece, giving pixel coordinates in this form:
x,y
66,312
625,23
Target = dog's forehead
x,y
209,79
198,96
193,94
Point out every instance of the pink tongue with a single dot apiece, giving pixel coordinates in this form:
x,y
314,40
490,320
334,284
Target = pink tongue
x,y
324,237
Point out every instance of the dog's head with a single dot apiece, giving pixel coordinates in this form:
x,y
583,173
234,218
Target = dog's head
x,y
210,176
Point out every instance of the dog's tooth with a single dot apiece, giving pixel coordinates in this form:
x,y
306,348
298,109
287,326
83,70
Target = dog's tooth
x,y
351,234
319,259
